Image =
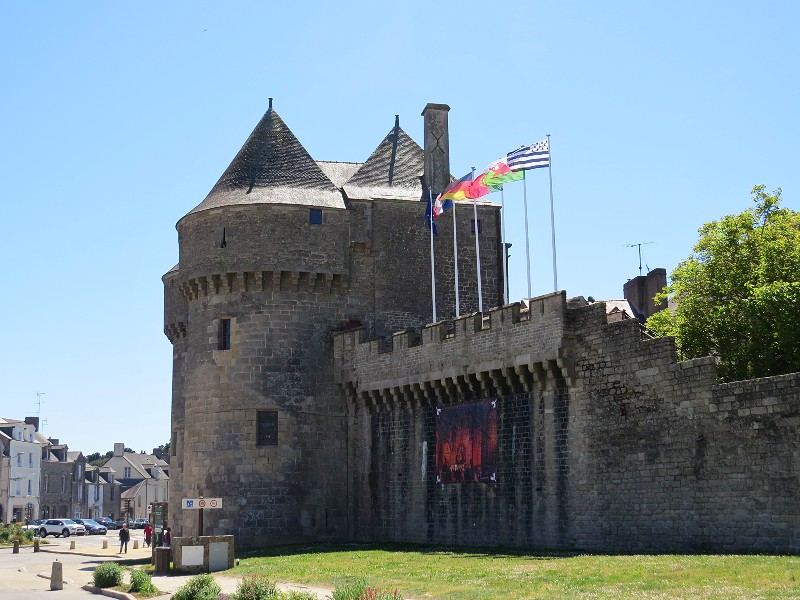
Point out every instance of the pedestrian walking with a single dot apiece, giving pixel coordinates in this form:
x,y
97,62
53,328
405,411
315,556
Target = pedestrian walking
x,y
148,534
124,537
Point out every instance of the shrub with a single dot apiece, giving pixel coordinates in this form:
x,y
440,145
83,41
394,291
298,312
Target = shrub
x,y
349,591
108,574
372,593
14,532
359,590
141,582
199,587
255,588
296,595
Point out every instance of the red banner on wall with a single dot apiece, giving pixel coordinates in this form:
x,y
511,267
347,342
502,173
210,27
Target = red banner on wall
x,y
466,443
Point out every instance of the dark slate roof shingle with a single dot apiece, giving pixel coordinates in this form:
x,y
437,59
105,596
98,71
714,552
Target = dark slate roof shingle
x,y
338,172
393,171
273,167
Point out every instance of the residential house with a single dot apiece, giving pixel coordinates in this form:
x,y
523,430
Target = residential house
x,y
111,492
5,444
94,493
63,492
145,472
24,452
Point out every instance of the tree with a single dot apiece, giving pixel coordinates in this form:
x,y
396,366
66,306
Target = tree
x,y
97,459
162,450
738,294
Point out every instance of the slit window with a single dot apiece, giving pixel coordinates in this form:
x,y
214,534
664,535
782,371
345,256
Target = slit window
x,y
267,428
224,334
315,216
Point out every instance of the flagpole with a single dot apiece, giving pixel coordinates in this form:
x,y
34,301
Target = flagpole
x,y
503,233
433,273
477,248
527,238
552,213
455,258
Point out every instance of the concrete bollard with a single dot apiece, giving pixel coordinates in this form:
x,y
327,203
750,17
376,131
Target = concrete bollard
x,y
135,544
72,545
105,544
36,544
16,546
57,576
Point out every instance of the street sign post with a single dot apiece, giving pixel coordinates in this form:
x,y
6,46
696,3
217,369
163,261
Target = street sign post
x,y
200,504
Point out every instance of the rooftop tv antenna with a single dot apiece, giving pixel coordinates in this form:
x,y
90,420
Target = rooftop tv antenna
x,y
37,406
639,245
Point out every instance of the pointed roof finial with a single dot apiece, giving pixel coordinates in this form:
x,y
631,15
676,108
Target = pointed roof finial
x,y
270,105
396,121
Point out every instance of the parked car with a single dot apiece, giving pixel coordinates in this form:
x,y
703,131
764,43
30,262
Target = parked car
x,y
61,527
119,523
92,526
107,522
139,523
35,525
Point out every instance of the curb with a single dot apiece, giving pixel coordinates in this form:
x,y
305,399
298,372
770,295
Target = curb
x,y
109,593
90,554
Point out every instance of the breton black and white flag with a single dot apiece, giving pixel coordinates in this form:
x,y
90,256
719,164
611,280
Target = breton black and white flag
x,y
534,156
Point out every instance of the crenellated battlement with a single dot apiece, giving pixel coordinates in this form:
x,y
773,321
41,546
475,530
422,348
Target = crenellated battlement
x,y
263,281
511,348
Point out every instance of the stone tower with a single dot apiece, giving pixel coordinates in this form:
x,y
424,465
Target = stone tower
x,y
283,252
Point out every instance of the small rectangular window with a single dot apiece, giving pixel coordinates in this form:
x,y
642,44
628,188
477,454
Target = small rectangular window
x,y
472,226
267,428
315,216
224,334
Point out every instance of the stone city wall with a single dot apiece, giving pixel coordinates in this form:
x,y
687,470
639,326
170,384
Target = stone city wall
x,y
605,441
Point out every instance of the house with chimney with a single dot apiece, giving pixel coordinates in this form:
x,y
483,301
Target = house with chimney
x,y
142,478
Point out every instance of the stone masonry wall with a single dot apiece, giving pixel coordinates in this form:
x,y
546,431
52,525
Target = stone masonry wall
x,y
286,286
605,441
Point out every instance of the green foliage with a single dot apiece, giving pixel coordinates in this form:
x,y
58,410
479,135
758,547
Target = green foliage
x,y
738,294
350,590
163,449
199,587
14,532
296,595
141,582
256,587
108,574
360,590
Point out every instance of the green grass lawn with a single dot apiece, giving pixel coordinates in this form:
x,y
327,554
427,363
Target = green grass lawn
x,y
472,574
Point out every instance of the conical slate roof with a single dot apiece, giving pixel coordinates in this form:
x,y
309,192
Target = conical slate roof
x,y
393,171
273,167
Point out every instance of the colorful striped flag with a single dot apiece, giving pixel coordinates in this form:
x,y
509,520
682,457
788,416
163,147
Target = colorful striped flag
x,y
534,156
493,179
456,190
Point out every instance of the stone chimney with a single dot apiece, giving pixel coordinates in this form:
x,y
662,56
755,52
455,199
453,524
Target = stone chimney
x,y
33,421
119,449
640,290
437,148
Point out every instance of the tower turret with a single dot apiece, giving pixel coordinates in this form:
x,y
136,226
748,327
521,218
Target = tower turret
x,y
273,261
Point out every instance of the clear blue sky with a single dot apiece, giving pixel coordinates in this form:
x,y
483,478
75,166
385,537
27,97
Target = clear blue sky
x,y
118,118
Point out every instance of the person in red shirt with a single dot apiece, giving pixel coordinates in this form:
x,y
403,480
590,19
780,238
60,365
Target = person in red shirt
x,y
148,534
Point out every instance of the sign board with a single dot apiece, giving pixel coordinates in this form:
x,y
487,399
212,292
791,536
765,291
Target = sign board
x,y
197,503
149,509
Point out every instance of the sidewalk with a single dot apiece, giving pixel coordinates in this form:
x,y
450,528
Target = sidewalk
x,y
167,583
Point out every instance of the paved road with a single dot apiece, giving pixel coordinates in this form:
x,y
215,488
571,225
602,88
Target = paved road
x,y
25,576
20,580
